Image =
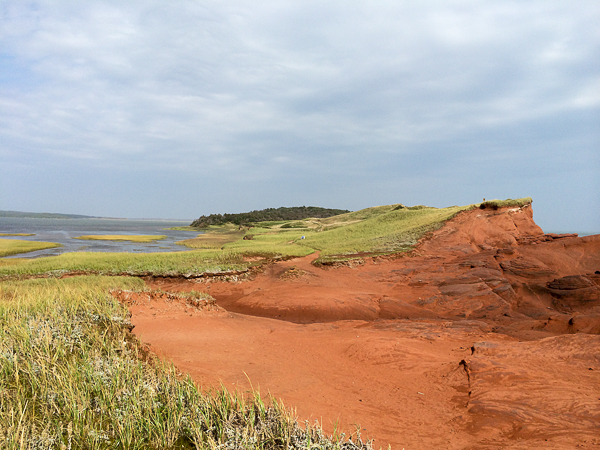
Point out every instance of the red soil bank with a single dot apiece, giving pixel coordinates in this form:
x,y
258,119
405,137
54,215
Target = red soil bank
x,y
486,336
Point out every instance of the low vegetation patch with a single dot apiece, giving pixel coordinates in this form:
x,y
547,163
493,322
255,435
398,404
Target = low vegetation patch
x,y
15,246
215,237
138,264
118,237
497,204
73,376
17,234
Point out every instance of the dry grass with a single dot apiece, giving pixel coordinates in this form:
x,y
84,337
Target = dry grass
x,y
73,376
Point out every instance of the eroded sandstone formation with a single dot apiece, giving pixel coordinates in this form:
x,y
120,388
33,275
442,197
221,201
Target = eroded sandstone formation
x,y
485,336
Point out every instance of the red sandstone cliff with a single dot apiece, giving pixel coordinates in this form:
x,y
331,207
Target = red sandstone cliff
x,y
486,336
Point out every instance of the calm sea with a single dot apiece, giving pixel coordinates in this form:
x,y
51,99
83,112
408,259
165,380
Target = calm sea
x,y
62,231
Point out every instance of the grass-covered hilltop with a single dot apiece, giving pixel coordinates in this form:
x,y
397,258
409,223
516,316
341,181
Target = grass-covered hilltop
x,y
269,214
72,375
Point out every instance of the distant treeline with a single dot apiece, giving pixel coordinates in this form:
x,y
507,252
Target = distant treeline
x,y
30,215
267,215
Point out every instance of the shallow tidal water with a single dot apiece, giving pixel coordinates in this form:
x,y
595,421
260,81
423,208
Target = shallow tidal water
x,y
64,232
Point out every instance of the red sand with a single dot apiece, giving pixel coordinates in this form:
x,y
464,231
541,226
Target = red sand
x,y
485,337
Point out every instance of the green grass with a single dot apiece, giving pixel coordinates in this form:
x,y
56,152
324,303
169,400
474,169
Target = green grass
x,y
17,234
215,237
389,230
144,238
496,204
168,263
15,246
73,376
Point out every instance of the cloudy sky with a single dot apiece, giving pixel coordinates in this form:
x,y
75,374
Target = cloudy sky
x,y
177,109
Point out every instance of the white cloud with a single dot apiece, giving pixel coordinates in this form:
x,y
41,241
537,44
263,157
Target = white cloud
x,y
274,87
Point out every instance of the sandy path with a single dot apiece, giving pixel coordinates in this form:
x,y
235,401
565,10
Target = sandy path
x,y
461,346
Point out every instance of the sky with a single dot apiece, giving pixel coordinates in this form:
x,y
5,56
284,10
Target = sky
x,y
154,109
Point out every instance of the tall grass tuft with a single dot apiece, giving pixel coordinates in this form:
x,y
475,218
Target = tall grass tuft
x,y
73,376
497,204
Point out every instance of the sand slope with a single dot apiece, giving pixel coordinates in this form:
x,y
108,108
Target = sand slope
x,y
486,336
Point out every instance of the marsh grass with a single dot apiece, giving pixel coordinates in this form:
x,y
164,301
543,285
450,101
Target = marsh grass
x,y
142,238
168,263
15,246
72,376
17,234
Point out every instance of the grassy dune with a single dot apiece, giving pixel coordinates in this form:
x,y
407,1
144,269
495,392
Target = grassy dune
x,y
389,231
15,246
379,230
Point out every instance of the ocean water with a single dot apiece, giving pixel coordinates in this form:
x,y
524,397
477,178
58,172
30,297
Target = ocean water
x,y
63,231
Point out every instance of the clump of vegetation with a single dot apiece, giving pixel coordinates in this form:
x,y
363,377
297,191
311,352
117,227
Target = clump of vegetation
x,y
15,246
72,376
122,237
296,224
17,234
497,204
215,237
264,215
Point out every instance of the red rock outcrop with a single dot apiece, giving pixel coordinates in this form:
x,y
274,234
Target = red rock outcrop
x,y
485,336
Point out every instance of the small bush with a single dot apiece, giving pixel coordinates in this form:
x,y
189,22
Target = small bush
x,y
508,203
